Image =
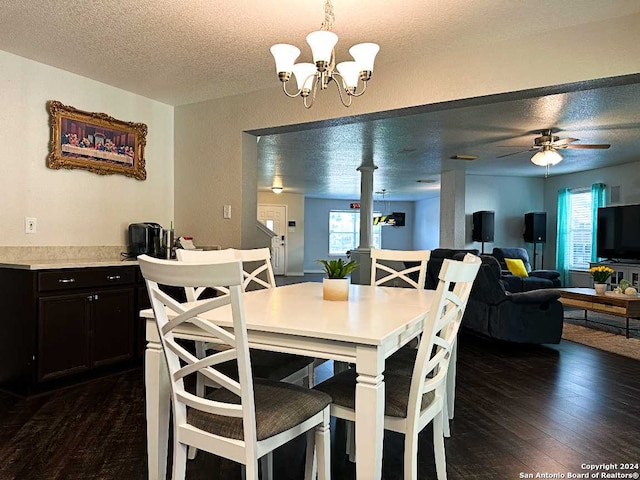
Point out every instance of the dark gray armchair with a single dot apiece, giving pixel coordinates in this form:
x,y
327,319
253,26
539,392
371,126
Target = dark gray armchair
x,y
537,278
528,317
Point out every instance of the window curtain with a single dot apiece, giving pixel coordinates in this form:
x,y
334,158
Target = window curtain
x,y
562,236
598,194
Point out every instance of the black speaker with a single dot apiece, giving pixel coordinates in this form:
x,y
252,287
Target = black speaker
x,y
482,226
535,227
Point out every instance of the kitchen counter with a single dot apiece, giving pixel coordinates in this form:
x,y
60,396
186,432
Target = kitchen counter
x,y
50,264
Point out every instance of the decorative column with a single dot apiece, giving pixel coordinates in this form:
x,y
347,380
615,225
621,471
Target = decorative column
x,y
362,254
452,209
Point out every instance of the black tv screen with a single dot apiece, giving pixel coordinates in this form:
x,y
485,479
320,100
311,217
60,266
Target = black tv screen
x,y
619,232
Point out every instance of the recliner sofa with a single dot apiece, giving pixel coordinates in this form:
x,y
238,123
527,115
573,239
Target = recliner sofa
x,y
537,279
528,317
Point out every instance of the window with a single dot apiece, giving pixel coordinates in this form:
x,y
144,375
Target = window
x,y
578,251
344,232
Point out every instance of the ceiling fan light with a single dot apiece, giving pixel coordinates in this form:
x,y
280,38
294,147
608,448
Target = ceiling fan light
x,y
322,43
365,54
285,55
546,157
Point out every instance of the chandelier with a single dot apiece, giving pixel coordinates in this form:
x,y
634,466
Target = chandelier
x,y
323,70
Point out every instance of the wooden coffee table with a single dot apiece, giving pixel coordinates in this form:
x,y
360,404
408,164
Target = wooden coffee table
x,y
586,298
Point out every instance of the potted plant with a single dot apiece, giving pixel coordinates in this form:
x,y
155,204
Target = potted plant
x,y
336,285
600,276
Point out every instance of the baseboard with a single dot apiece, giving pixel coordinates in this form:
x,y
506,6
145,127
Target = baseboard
x,y
319,270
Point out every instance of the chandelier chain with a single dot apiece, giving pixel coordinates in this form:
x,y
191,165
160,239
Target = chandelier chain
x,y
329,16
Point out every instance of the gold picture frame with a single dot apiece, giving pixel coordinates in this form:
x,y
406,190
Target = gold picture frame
x,y
95,142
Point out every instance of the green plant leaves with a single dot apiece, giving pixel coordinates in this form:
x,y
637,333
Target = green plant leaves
x,y
338,268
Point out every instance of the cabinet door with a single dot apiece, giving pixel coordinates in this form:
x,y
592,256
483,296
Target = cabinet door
x,y
63,341
112,329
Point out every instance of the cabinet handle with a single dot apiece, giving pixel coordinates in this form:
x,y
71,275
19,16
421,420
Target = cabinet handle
x,y
66,280
90,298
113,277
95,297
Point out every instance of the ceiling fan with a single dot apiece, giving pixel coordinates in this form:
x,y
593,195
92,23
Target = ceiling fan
x,y
547,145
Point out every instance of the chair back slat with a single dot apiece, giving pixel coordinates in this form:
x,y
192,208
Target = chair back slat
x,y
181,362
262,256
204,256
401,273
441,329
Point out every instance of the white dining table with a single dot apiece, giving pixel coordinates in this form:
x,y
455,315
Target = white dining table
x,y
365,330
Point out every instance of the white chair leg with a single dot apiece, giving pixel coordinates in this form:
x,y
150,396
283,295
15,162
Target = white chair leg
x,y
438,446
311,375
200,389
451,380
310,462
179,461
266,465
251,470
323,448
350,448
411,455
445,425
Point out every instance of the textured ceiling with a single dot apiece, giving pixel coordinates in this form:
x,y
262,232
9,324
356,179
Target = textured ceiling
x,y
322,162
184,52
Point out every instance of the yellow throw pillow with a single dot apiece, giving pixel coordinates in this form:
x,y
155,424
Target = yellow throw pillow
x,y
516,267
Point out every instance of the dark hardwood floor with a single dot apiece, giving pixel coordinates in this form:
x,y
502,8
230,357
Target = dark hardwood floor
x,y
519,410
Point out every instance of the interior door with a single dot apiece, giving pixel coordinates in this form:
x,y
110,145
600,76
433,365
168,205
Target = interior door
x,y
274,217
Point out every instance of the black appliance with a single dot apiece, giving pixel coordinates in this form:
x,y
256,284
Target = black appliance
x,y
144,238
618,234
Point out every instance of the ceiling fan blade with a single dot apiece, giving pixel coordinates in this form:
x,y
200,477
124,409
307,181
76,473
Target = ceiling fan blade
x,y
600,146
517,153
564,141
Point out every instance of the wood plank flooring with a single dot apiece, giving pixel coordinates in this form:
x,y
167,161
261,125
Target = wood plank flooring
x,y
519,410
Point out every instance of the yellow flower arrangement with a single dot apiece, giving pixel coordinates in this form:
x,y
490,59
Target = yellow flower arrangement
x,y
600,274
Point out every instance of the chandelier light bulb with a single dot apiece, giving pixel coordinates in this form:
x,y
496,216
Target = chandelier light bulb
x,y
350,73
285,55
365,54
305,74
322,43
277,189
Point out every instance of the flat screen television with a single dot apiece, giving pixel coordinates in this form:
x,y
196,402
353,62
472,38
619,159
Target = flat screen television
x,y
618,234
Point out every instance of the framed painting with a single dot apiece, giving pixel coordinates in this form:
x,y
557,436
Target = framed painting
x,y
95,142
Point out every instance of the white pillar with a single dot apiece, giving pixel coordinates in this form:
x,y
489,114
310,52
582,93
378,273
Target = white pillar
x,y
362,254
452,209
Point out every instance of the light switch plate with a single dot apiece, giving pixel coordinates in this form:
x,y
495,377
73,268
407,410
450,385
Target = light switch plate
x,y
30,224
226,211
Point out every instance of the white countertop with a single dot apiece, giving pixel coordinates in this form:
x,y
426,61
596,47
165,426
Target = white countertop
x,y
48,264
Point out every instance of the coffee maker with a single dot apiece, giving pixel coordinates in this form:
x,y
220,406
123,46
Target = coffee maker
x,y
145,238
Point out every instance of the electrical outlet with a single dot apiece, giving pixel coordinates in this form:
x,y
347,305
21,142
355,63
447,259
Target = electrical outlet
x,y
226,212
30,224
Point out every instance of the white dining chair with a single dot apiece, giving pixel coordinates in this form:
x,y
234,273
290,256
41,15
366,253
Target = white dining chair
x,y
388,267
245,418
412,402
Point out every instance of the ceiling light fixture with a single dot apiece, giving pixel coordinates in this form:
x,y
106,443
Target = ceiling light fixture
x,y
277,189
546,157
323,69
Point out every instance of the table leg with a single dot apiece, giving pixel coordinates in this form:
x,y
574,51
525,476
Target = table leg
x,y
451,380
627,327
158,399
369,413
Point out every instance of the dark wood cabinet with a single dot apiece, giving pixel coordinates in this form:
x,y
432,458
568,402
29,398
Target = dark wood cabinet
x,y
66,323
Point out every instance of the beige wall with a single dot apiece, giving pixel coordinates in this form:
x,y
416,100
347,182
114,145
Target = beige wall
x,y
295,238
74,207
210,162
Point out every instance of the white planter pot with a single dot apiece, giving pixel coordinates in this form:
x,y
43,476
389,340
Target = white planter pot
x,y
335,289
600,288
